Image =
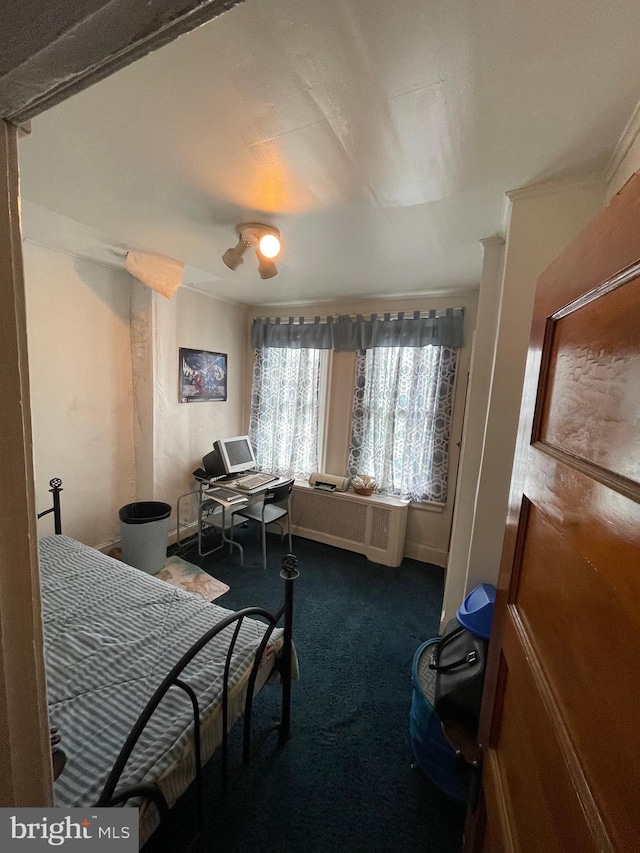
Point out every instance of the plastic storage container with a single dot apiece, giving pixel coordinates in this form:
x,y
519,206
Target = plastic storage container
x,y
434,754
144,530
476,611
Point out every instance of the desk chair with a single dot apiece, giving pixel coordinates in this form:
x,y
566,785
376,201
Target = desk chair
x,y
267,511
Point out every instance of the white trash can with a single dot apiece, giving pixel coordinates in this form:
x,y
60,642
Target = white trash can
x,y
144,531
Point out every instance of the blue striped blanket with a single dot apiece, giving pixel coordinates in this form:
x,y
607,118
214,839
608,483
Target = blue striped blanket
x,y
111,635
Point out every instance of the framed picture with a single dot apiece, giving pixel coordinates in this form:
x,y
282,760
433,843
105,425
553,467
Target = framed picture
x,y
202,376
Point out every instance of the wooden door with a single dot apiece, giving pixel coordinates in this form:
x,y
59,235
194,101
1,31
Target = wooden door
x,y
560,726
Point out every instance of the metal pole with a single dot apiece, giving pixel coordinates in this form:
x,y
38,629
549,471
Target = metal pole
x,y
289,573
56,488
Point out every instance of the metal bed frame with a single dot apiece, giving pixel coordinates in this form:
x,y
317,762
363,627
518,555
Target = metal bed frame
x,y
289,572
56,488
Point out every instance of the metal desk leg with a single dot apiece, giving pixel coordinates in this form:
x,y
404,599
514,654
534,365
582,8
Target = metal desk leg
x,y
224,540
232,543
207,504
180,542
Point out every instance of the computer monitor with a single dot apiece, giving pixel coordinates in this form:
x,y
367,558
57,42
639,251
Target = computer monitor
x,y
213,464
237,454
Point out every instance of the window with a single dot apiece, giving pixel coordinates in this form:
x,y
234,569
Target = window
x,y
402,404
402,418
285,410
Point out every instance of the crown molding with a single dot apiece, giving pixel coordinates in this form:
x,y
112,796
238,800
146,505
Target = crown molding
x,y
628,137
187,287
331,306
589,179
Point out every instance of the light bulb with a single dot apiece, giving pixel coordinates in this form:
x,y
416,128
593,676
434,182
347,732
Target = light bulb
x,y
269,246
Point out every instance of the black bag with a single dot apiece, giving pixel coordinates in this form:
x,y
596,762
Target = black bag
x,y
459,660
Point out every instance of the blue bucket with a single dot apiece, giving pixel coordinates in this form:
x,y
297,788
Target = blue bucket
x,y
434,754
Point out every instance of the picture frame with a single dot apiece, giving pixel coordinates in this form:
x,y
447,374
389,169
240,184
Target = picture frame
x,y
202,376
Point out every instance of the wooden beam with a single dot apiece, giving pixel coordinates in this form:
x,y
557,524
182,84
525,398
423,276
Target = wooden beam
x,y
25,753
76,44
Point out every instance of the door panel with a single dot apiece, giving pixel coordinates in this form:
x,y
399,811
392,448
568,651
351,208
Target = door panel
x,y
598,522
579,630
528,744
558,734
497,829
590,372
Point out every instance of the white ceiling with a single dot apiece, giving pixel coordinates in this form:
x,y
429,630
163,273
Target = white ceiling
x,y
380,137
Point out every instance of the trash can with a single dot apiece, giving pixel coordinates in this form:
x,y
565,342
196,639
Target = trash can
x,y
434,754
144,530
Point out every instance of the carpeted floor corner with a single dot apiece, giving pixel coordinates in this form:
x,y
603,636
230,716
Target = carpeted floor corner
x,y
344,782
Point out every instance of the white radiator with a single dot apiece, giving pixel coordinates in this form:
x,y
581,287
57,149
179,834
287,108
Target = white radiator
x,y
374,526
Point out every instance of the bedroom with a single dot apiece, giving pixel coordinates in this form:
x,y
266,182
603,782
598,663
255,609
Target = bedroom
x,y
540,225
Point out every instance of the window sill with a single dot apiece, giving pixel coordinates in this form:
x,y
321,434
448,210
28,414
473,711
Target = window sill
x,y
388,500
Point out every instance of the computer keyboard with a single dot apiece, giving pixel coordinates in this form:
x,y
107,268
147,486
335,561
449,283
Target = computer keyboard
x,y
253,481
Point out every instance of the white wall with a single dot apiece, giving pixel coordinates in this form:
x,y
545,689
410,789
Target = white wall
x,y
428,528
184,432
103,352
542,221
81,390
477,408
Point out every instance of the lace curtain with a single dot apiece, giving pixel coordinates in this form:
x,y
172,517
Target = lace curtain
x,y
401,420
283,426
403,397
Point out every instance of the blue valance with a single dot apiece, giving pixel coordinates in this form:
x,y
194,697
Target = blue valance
x,y
348,334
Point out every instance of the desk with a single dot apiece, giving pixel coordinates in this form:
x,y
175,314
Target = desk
x,y
229,484
208,506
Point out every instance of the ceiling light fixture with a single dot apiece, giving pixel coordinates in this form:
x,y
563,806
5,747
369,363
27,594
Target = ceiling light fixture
x,y
265,239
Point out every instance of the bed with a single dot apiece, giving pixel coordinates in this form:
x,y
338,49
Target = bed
x,y
140,672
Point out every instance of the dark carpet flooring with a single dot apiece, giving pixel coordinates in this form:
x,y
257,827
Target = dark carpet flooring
x,y
344,782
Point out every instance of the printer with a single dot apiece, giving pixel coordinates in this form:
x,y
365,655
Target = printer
x,y
329,482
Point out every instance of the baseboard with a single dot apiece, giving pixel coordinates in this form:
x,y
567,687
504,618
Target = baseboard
x,y
108,546
185,530
413,550
188,529
425,553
